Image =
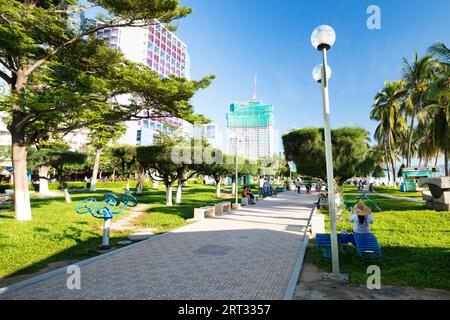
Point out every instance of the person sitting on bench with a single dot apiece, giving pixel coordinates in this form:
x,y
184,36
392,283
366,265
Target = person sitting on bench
x,y
246,193
361,216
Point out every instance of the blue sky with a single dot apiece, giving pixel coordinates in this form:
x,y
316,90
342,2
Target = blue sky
x,y
233,39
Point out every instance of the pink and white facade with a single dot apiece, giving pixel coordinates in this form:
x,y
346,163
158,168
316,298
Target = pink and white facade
x,y
163,52
155,46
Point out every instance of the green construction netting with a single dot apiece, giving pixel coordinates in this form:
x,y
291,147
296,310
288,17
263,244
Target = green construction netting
x,y
253,114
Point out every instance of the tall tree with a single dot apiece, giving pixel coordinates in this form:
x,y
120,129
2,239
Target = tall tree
x,y
437,113
126,158
58,156
157,160
100,136
34,37
306,148
387,111
417,76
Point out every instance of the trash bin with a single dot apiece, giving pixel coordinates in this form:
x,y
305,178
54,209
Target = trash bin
x,y
403,187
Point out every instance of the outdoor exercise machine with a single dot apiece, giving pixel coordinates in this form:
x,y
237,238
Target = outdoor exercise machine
x,y
105,210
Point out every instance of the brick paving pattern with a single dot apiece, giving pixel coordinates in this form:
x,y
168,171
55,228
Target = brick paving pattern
x,y
247,254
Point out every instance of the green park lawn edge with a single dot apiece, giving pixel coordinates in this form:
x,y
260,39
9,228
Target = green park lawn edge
x,y
58,234
415,243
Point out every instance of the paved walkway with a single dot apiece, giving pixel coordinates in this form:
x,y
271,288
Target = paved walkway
x,y
248,254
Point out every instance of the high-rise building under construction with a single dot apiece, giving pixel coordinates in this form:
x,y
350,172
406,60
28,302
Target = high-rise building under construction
x,y
251,129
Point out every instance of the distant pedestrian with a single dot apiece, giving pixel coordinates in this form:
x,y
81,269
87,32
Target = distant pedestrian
x,y
261,186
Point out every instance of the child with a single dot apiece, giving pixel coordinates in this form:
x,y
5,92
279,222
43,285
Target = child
x,y
361,217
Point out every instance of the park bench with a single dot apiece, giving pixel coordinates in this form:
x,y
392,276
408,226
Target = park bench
x,y
366,244
226,206
222,207
201,213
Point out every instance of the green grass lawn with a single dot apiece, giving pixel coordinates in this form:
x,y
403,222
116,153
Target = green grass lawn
x,y
166,218
415,243
395,191
57,233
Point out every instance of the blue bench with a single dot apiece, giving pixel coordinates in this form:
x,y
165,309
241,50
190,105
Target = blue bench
x,y
366,245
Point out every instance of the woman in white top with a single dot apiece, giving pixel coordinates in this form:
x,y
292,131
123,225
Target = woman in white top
x,y
361,217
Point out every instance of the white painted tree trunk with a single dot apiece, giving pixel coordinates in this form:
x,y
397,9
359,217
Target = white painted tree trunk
x,y
43,182
127,188
67,196
155,184
140,185
178,199
218,189
169,195
233,191
98,154
21,193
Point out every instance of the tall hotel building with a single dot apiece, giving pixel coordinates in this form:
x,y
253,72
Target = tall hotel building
x,y
155,46
164,53
252,125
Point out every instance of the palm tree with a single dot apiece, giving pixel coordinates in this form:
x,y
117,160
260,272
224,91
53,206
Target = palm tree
x,y
440,51
387,110
379,152
437,112
417,76
439,94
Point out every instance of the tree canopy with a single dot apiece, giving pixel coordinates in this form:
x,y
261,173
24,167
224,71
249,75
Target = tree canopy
x,y
306,147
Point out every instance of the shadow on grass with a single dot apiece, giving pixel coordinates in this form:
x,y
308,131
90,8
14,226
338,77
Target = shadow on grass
x,y
387,204
82,249
421,267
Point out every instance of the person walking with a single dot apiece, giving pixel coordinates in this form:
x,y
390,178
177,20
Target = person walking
x,y
261,186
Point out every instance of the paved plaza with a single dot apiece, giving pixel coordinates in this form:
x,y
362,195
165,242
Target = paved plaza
x,y
249,253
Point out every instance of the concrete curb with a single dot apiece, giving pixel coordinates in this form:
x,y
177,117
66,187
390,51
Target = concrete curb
x,y
62,270
290,290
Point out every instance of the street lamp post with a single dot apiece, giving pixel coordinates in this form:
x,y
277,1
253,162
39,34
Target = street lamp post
x,y
236,184
235,142
323,38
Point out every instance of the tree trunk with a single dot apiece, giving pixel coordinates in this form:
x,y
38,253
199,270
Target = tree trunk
x,y
391,156
67,195
388,169
98,153
43,179
113,177
21,193
446,143
218,195
140,185
233,191
19,154
155,184
411,131
127,187
169,195
178,199
446,163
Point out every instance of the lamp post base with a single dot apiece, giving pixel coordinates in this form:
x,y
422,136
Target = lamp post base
x,y
340,277
105,248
